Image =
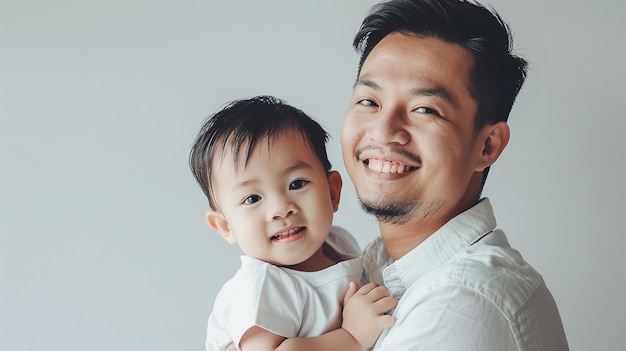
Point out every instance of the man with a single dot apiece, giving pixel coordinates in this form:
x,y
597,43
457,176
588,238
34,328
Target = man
x,y
428,117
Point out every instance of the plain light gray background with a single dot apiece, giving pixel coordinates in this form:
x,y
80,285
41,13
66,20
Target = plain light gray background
x,y
103,240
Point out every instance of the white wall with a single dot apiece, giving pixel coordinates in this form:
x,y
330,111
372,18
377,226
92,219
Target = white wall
x,y
103,245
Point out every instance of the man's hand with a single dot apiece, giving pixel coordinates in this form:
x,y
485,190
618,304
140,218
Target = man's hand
x,y
364,312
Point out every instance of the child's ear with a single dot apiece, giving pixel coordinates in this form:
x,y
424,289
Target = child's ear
x,y
493,139
335,183
217,221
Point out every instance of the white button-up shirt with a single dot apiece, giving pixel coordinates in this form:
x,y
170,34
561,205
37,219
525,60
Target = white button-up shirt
x,y
465,288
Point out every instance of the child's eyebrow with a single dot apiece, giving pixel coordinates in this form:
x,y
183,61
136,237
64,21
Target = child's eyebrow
x,y
296,166
245,183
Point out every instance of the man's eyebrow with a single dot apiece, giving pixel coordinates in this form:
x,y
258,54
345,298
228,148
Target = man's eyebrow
x,y
438,92
368,83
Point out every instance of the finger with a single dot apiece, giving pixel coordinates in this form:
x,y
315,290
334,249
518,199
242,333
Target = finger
x,y
386,321
378,293
352,289
367,288
385,304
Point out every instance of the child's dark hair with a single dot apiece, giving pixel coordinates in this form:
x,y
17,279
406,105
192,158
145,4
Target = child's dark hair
x,y
243,123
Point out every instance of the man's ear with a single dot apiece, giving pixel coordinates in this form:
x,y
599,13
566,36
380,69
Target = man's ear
x,y
335,183
217,221
493,139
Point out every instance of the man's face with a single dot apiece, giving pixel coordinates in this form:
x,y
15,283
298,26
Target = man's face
x,y
408,139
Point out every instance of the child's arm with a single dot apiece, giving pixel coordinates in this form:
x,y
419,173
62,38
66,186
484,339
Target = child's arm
x,y
363,320
258,339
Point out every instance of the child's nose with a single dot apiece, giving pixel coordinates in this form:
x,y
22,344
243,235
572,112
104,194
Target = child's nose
x,y
285,215
282,209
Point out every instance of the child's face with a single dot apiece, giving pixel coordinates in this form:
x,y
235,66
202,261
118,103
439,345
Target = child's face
x,y
278,208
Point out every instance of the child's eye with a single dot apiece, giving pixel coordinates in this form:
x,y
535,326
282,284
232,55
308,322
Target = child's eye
x,y
251,199
298,184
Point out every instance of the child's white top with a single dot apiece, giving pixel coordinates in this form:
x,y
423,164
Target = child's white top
x,y
284,301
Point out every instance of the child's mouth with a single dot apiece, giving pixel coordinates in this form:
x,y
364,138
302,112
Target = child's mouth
x,y
287,233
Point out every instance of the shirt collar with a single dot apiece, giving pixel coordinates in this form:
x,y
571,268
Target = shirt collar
x,y
444,244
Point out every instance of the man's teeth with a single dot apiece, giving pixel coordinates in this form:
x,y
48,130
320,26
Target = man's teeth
x,y
382,166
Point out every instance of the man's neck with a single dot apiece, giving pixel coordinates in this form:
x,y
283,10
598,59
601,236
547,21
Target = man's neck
x,y
400,239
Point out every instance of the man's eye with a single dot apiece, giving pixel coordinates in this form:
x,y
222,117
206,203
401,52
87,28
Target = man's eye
x,y
251,199
427,110
297,184
367,102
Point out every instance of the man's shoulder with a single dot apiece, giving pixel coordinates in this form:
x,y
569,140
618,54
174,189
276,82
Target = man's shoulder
x,y
494,271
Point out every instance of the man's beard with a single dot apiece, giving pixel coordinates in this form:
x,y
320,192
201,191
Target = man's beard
x,y
398,213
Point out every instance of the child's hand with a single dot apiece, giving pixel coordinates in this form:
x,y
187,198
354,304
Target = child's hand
x,y
364,312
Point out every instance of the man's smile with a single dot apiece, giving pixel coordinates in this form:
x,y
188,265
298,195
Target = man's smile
x,y
385,166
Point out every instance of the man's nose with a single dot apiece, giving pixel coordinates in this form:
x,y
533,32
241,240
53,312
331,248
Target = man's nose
x,y
389,127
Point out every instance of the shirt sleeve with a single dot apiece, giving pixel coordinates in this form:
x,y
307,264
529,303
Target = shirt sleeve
x,y
448,318
260,295
344,242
